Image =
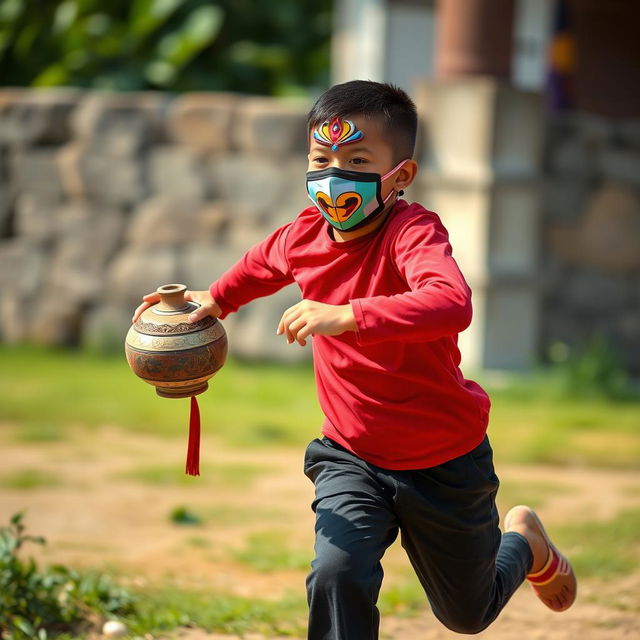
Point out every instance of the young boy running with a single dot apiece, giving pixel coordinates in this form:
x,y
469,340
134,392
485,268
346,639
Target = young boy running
x,y
404,446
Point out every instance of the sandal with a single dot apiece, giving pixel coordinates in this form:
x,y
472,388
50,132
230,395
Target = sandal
x,y
555,584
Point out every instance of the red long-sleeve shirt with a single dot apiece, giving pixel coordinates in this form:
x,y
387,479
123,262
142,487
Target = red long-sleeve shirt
x,y
391,392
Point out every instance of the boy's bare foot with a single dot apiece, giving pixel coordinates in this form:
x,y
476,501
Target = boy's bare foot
x,y
551,575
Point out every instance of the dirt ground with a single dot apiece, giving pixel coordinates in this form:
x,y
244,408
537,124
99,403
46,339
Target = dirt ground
x,y
94,515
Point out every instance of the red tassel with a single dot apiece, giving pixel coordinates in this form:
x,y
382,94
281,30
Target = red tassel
x,y
193,450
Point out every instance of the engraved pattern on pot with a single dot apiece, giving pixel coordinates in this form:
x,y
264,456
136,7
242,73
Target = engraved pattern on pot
x,y
175,343
152,328
181,365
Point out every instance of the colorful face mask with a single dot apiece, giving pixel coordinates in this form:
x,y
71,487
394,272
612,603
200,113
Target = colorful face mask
x,y
348,199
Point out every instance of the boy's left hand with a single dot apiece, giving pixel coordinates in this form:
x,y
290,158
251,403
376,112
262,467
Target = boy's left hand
x,y
309,317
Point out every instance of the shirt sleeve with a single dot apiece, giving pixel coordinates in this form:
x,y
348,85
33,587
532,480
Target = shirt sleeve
x,y
263,270
438,302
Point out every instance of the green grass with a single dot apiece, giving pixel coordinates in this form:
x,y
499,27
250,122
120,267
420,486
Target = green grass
x,y
533,419
168,608
29,479
246,405
237,475
269,551
221,514
41,431
603,549
533,494
405,598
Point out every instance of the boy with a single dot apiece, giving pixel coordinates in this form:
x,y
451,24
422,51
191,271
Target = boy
x,y
404,444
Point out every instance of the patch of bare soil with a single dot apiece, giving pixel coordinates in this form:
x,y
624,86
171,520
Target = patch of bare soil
x,y
96,515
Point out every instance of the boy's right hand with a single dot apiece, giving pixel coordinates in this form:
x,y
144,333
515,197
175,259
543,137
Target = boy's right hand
x,y
208,306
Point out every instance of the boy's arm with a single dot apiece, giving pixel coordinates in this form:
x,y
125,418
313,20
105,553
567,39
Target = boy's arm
x,y
263,270
439,302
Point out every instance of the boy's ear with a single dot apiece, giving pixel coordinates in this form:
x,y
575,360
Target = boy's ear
x,y
406,175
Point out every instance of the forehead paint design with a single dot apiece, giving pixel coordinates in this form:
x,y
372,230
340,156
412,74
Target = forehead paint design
x,y
333,134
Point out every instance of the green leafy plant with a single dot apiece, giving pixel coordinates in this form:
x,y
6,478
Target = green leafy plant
x,y
37,604
184,516
174,45
594,368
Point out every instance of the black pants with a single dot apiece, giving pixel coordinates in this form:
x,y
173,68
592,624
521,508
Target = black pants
x,y
449,527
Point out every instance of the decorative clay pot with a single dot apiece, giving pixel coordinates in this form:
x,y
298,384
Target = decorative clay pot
x,y
174,355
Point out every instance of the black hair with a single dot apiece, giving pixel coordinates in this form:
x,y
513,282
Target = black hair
x,y
380,100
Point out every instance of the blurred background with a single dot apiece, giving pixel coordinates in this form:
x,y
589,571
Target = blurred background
x,y
153,141
145,142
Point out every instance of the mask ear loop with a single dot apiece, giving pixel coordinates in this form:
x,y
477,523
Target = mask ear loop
x,y
389,173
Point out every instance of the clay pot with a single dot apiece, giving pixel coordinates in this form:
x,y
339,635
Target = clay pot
x,y
174,355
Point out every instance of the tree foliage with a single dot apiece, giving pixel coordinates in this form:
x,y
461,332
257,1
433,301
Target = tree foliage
x,y
275,47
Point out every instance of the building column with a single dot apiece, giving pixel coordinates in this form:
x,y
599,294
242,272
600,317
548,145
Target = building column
x,y
481,166
474,37
481,161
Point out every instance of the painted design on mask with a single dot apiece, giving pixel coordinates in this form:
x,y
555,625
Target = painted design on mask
x,y
333,134
344,205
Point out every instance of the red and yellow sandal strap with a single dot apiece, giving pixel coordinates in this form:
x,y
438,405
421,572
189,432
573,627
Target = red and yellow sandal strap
x,y
555,564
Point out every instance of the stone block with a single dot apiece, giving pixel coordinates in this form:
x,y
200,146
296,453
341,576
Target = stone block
x,y
591,293
627,132
23,272
257,189
504,333
23,267
120,124
86,242
272,127
104,328
620,165
137,271
164,221
594,129
30,308
177,173
627,322
9,96
608,235
573,158
479,128
13,308
35,171
203,121
55,320
69,159
6,216
243,236
38,116
564,200
35,217
203,262
254,334
514,229
102,179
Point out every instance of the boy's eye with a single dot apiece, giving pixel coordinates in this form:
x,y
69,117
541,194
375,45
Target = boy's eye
x,y
358,161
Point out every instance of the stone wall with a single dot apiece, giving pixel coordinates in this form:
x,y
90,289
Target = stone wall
x,y
591,239
104,197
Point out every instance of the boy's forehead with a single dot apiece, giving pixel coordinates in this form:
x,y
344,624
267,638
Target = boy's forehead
x,y
364,130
